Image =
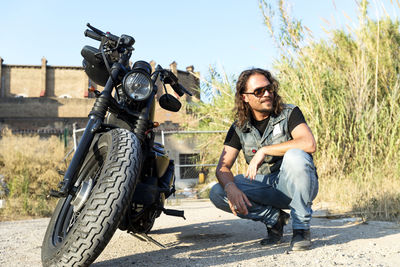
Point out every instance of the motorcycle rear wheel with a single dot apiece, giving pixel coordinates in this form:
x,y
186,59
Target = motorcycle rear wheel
x,y
85,221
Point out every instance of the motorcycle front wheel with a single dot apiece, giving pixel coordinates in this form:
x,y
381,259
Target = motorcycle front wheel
x,y
84,221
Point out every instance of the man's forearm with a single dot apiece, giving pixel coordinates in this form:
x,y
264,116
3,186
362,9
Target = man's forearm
x,y
302,139
224,176
282,148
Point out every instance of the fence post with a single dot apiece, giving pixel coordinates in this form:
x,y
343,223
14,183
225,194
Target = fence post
x,y
65,137
74,134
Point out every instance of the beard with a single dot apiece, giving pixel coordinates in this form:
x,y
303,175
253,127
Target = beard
x,y
265,106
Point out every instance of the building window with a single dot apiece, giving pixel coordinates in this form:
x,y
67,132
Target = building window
x,y
187,163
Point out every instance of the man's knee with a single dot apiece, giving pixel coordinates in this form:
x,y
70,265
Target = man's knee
x,y
298,167
297,160
295,154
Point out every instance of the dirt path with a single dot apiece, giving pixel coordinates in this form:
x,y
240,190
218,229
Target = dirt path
x,y
210,237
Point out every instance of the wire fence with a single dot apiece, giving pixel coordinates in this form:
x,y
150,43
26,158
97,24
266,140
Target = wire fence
x,y
187,166
188,162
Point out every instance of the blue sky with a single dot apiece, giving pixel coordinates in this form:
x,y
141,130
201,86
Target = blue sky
x,y
221,33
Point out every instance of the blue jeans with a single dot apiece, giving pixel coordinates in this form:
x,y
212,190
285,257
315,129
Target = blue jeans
x,y
293,187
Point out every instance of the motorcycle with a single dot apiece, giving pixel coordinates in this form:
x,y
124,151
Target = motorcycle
x,y
119,177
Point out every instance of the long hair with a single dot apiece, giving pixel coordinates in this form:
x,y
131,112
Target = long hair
x,y
243,110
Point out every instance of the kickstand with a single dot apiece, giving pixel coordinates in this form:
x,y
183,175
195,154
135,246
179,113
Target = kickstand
x,y
146,238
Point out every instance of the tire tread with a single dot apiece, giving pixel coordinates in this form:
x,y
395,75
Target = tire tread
x,y
107,203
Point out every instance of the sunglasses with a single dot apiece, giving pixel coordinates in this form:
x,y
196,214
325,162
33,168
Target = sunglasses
x,y
259,92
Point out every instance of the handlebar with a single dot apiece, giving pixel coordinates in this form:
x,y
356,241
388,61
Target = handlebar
x,y
93,35
172,80
95,29
96,34
111,37
180,90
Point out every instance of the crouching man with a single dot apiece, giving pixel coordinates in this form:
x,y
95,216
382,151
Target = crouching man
x,y
277,145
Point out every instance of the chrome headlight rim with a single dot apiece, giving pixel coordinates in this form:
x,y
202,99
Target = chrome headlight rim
x,y
129,91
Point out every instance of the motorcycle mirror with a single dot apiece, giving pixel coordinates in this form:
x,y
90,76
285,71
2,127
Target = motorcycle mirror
x,y
170,103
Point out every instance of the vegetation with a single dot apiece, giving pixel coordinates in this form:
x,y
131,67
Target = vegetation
x,y
348,87
29,165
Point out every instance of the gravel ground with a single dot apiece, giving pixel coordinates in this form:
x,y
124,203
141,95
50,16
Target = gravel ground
x,y
210,237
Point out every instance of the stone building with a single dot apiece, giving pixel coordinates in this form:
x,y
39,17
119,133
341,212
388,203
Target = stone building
x,y
48,99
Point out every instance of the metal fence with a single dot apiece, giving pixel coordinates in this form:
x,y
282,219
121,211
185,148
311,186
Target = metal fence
x,y
186,162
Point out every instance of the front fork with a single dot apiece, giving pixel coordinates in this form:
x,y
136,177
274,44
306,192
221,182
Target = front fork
x,y
96,118
93,126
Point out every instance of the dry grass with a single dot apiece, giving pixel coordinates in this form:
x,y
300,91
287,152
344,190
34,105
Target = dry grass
x,y
29,165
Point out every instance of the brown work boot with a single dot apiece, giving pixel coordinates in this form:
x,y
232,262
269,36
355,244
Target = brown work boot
x,y
275,232
301,239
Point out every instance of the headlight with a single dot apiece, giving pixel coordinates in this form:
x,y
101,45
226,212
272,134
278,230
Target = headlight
x,y
137,84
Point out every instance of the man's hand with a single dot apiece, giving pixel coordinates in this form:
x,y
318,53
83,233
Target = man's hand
x,y
237,200
255,163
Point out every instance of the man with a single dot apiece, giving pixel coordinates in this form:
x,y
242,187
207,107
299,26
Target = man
x,y
277,145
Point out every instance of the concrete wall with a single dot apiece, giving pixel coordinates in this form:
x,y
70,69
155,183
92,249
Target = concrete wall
x,y
66,82
44,115
52,107
21,81
41,86
43,81
45,107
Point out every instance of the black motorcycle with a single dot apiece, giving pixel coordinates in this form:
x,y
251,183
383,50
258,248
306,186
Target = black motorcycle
x,y
118,177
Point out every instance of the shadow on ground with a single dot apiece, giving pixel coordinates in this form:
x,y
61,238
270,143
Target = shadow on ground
x,y
227,241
